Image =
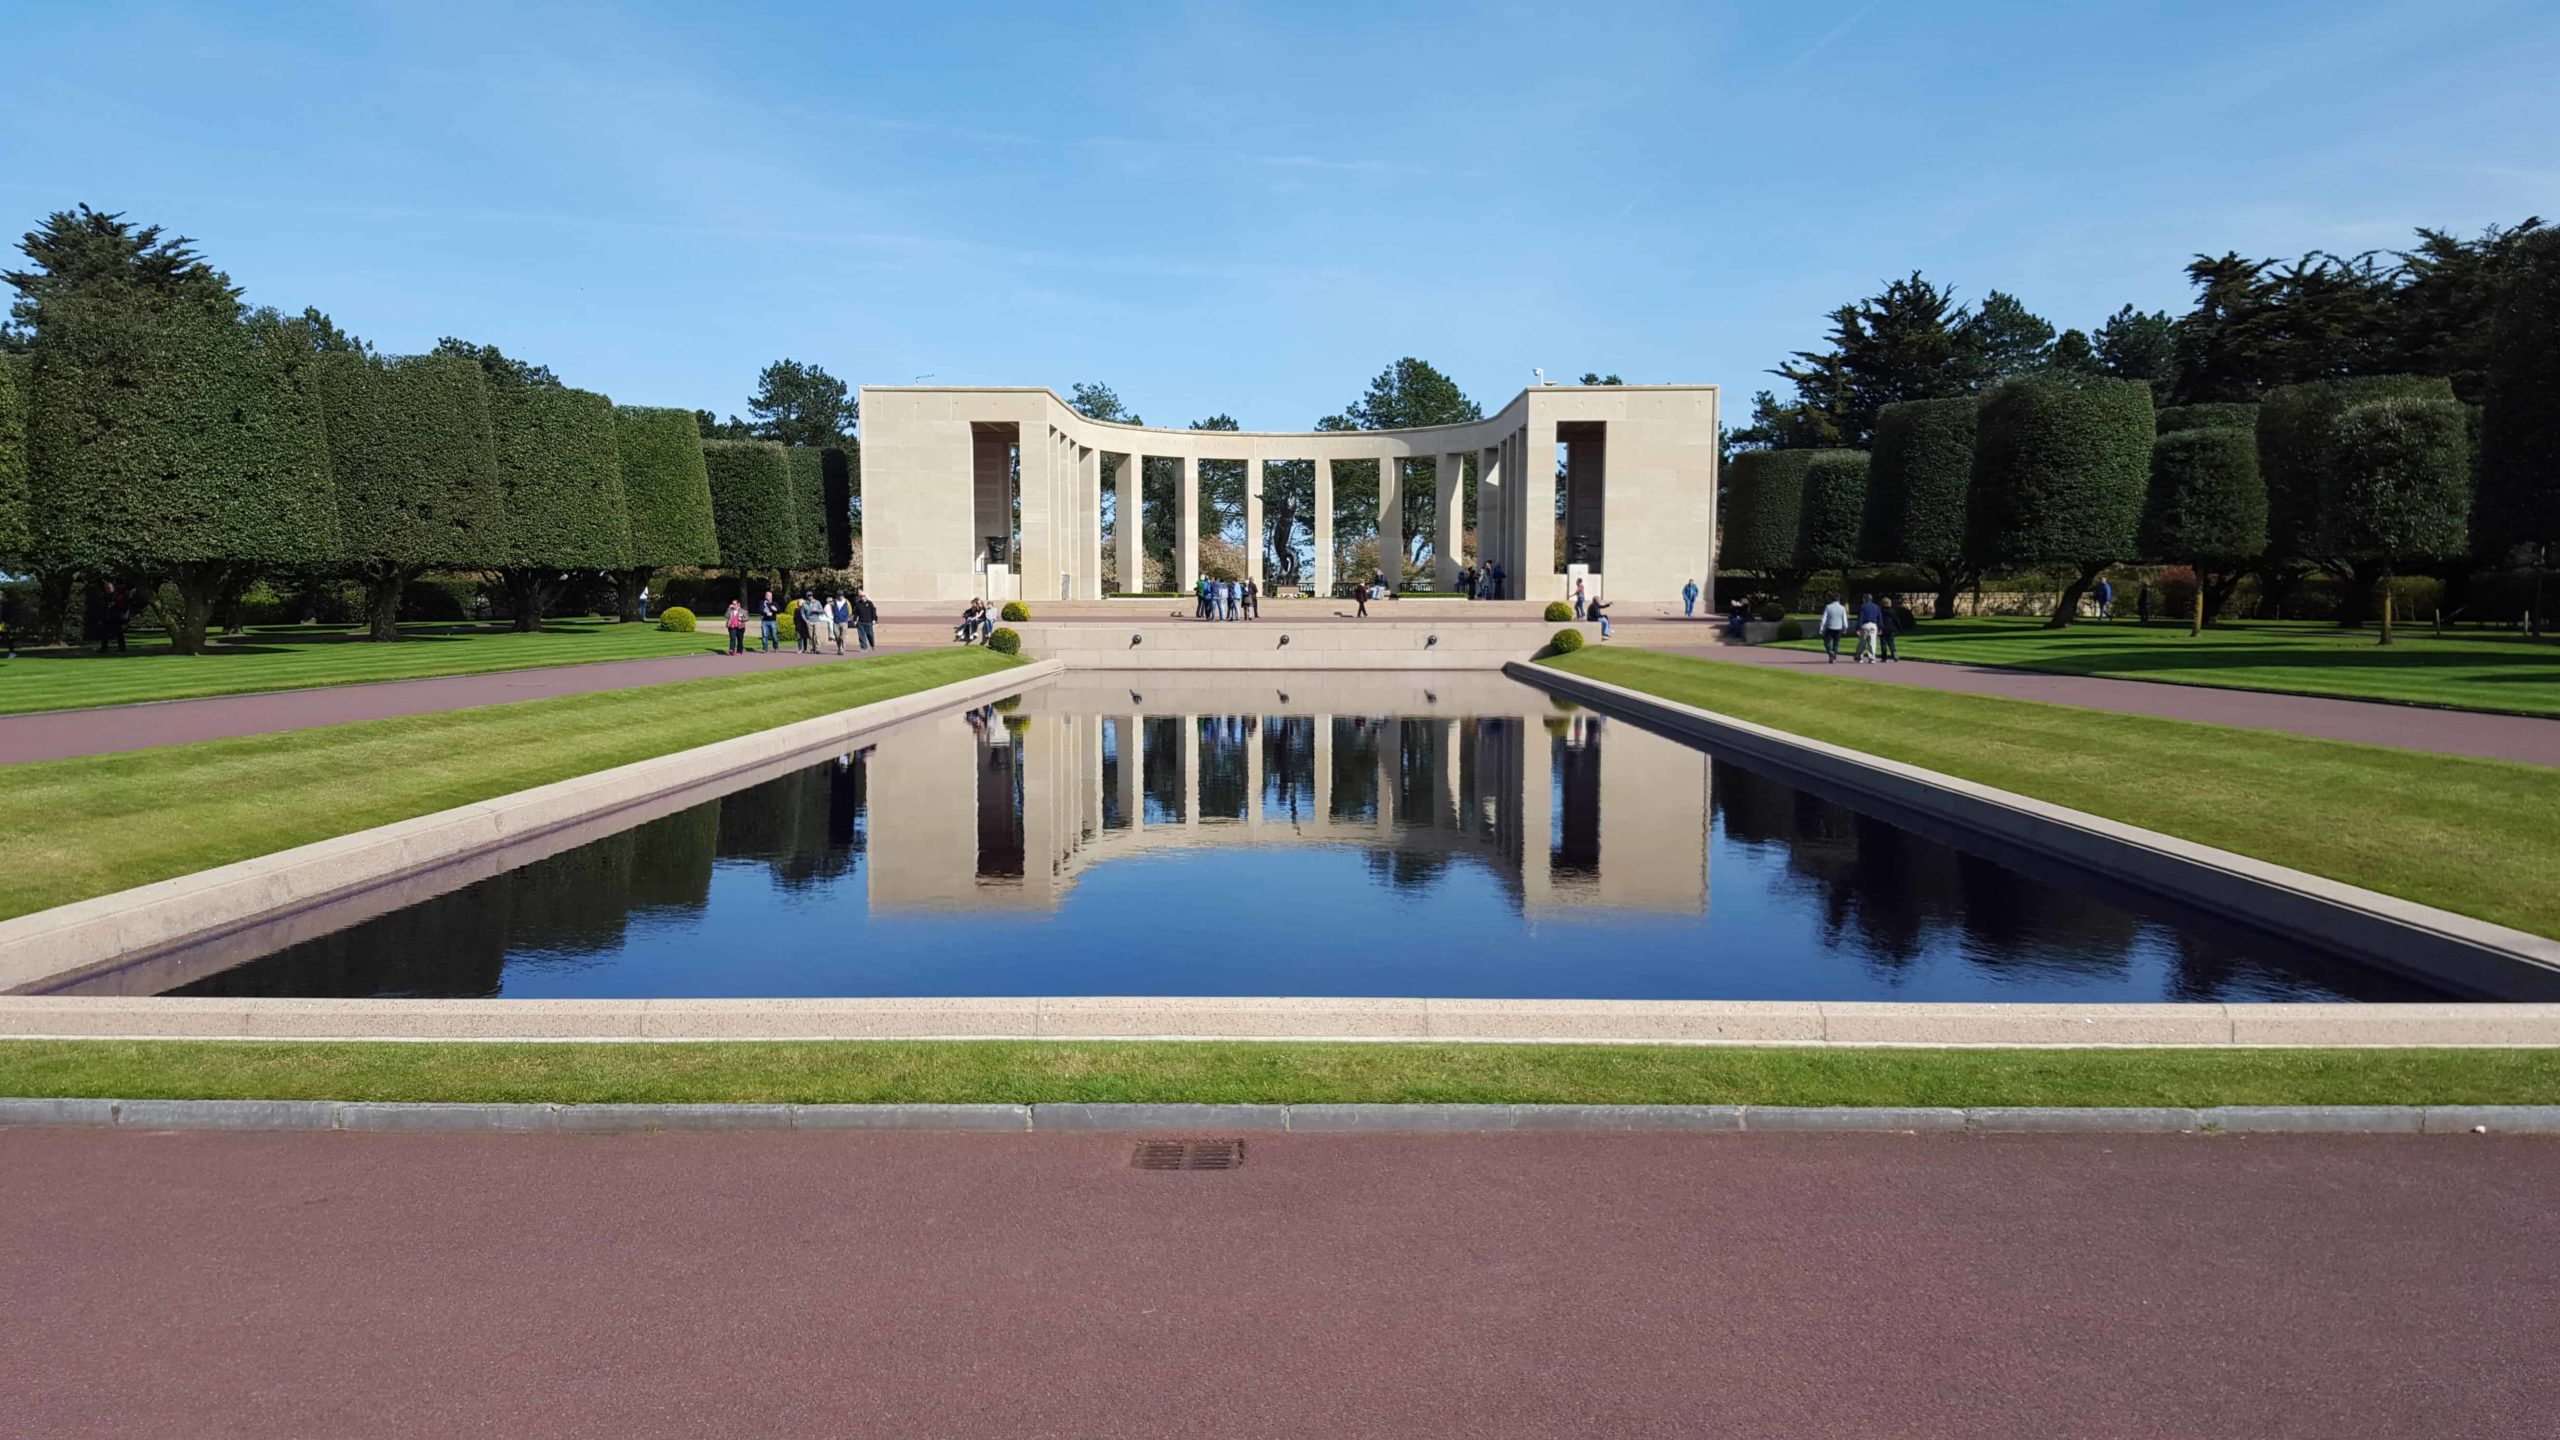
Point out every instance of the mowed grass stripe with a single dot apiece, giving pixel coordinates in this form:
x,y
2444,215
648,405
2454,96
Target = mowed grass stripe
x,y
1031,1072
298,658
98,824
2480,837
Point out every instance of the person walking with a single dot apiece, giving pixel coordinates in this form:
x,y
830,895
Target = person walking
x,y
1200,598
1579,600
1870,625
1252,598
839,619
1888,625
2142,604
865,615
1360,600
737,627
1689,599
644,602
2106,599
1835,623
771,639
113,617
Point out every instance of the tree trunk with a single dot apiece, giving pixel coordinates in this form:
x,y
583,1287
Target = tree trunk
x,y
532,591
2356,592
53,605
1949,583
627,586
2068,609
2216,592
2382,584
2198,627
382,589
199,584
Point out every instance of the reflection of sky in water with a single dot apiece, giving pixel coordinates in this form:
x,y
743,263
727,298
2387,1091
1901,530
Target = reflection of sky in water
x,y
973,858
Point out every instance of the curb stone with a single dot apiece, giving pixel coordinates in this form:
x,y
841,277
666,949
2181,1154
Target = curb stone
x,y
1078,1117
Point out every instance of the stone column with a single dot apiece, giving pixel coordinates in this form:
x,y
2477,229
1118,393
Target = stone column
x,y
1323,527
1390,522
1186,545
1253,521
1447,527
1092,503
1129,494
1489,503
1190,771
1538,568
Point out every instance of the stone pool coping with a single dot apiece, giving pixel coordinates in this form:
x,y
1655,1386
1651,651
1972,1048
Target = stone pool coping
x,y
1679,1022
2467,954
51,947
1077,1118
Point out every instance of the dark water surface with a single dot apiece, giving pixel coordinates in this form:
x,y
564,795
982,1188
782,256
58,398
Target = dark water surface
x,y
1309,835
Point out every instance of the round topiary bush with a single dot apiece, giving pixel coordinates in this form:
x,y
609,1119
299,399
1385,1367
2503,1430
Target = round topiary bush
x,y
1566,641
786,627
1558,610
1006,641
1790,629
675,619
1014,612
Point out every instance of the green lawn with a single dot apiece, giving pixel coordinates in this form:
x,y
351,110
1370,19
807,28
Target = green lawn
x,y
2479,670
286,657
103,823
1018,1072
2477,836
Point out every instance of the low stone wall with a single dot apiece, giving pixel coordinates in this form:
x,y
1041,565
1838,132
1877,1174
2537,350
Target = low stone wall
x,y
1270,644
2470,956
54,946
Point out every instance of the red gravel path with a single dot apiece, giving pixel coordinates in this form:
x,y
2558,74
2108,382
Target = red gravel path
x,y
206,1285
2408,727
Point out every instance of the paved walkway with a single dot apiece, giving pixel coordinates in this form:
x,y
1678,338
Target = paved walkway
x,y
108,729
282,1285
2409,727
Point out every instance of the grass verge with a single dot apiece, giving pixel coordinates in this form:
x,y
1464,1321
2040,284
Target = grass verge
x,y
102,823
293,657
2474,836
2476,670
1019,1072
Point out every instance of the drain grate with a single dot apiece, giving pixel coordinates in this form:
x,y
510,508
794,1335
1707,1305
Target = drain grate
x,y
1188,1155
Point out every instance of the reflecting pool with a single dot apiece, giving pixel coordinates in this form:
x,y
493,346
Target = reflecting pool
x,y
1315,834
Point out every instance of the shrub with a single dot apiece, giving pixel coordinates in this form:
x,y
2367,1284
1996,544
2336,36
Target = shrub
x,y
2215,416
807,467
563,483
415,462
438,599
2297,453
176,442
1768,610
785,626
1917,481
1790,629
1015,611
676,620
1005,641
751,503
2059,472
1558,610
1565,641
666,487
1835,505
2206,502
2400,487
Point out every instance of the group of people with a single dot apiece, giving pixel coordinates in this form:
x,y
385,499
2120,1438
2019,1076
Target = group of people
x,y
1876,626
1481,582
977,623
816,620
1226,599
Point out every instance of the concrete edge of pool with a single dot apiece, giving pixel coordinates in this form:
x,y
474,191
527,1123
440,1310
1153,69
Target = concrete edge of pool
x,y
2439,946
1674,1022
1326,1119
50,947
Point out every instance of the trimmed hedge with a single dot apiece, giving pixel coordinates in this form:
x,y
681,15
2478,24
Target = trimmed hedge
x,y
1763,509
2519,499
2206,505
1014,611
1835,508
751,503
562,477
167,440
675,619
1005,641
2211,416
416,465
2297,436
2401,479
2059,471
666,488
16,543
1557,610
814,470
838,499
1917,480
1565,642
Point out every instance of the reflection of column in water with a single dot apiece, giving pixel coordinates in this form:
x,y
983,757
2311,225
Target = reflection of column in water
x,y
1577,834
1253,748
1191,770
671,859
999,768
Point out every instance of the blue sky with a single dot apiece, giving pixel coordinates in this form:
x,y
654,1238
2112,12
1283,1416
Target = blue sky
x,y
1252,208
